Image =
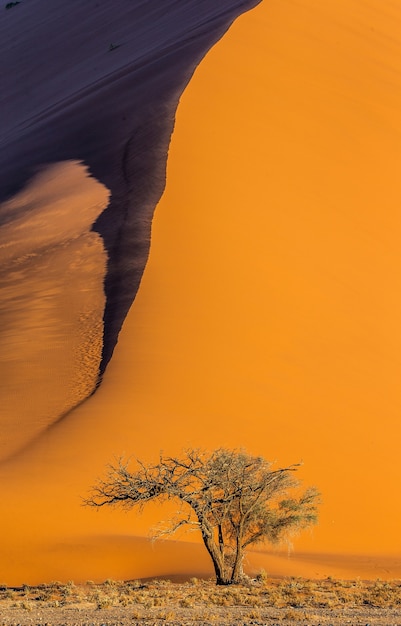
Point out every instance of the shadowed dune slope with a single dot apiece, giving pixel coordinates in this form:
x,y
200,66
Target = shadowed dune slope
x,y
269,312
91,83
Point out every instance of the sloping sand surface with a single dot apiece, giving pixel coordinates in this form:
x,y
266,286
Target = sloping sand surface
x,y
52,300
94,84
268,315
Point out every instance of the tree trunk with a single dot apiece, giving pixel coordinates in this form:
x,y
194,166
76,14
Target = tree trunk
x,y
221,541
217,558
237,572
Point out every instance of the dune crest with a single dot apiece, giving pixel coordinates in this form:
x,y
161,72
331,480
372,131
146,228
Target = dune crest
x,y
98,83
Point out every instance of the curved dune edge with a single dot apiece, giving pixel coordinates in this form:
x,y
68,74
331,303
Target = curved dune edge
x,y
98,84
52,300
310,371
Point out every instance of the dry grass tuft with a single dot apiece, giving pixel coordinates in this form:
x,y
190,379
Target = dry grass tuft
x,y
294,600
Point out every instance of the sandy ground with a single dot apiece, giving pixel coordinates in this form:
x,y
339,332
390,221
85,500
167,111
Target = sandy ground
x,y
268,316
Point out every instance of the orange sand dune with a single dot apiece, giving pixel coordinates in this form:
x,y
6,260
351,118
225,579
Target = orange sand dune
x,y
86,91
125,557
52,300
268,315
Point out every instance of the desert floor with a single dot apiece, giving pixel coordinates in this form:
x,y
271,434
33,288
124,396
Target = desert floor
x,y
259,601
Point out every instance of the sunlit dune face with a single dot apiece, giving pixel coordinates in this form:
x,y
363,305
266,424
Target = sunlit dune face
x,y
51,285
269,313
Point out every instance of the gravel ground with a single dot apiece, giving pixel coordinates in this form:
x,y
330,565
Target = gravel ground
x,y
218,616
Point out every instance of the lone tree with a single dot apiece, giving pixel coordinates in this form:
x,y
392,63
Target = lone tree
x,y
233,498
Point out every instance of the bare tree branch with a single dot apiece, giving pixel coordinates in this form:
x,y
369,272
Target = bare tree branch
x,y
236,500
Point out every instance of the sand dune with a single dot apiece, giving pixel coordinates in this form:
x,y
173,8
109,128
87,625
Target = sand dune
x,y
52,300
268,314
126,557
98,85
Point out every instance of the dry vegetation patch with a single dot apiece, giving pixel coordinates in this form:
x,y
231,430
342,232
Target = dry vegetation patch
x,y
259,601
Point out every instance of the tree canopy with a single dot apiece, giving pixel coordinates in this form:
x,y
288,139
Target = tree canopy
x,y
233,498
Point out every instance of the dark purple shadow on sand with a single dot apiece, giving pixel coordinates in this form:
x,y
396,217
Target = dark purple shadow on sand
x,y
120,126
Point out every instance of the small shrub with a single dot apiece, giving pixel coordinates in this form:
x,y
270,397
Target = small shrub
x,y
168,616
104,602
262,577
54,604
291,615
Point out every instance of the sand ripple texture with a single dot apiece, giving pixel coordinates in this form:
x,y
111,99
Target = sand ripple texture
x,y
84,134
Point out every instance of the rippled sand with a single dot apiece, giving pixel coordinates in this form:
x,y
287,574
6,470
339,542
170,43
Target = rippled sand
x,y
52,300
